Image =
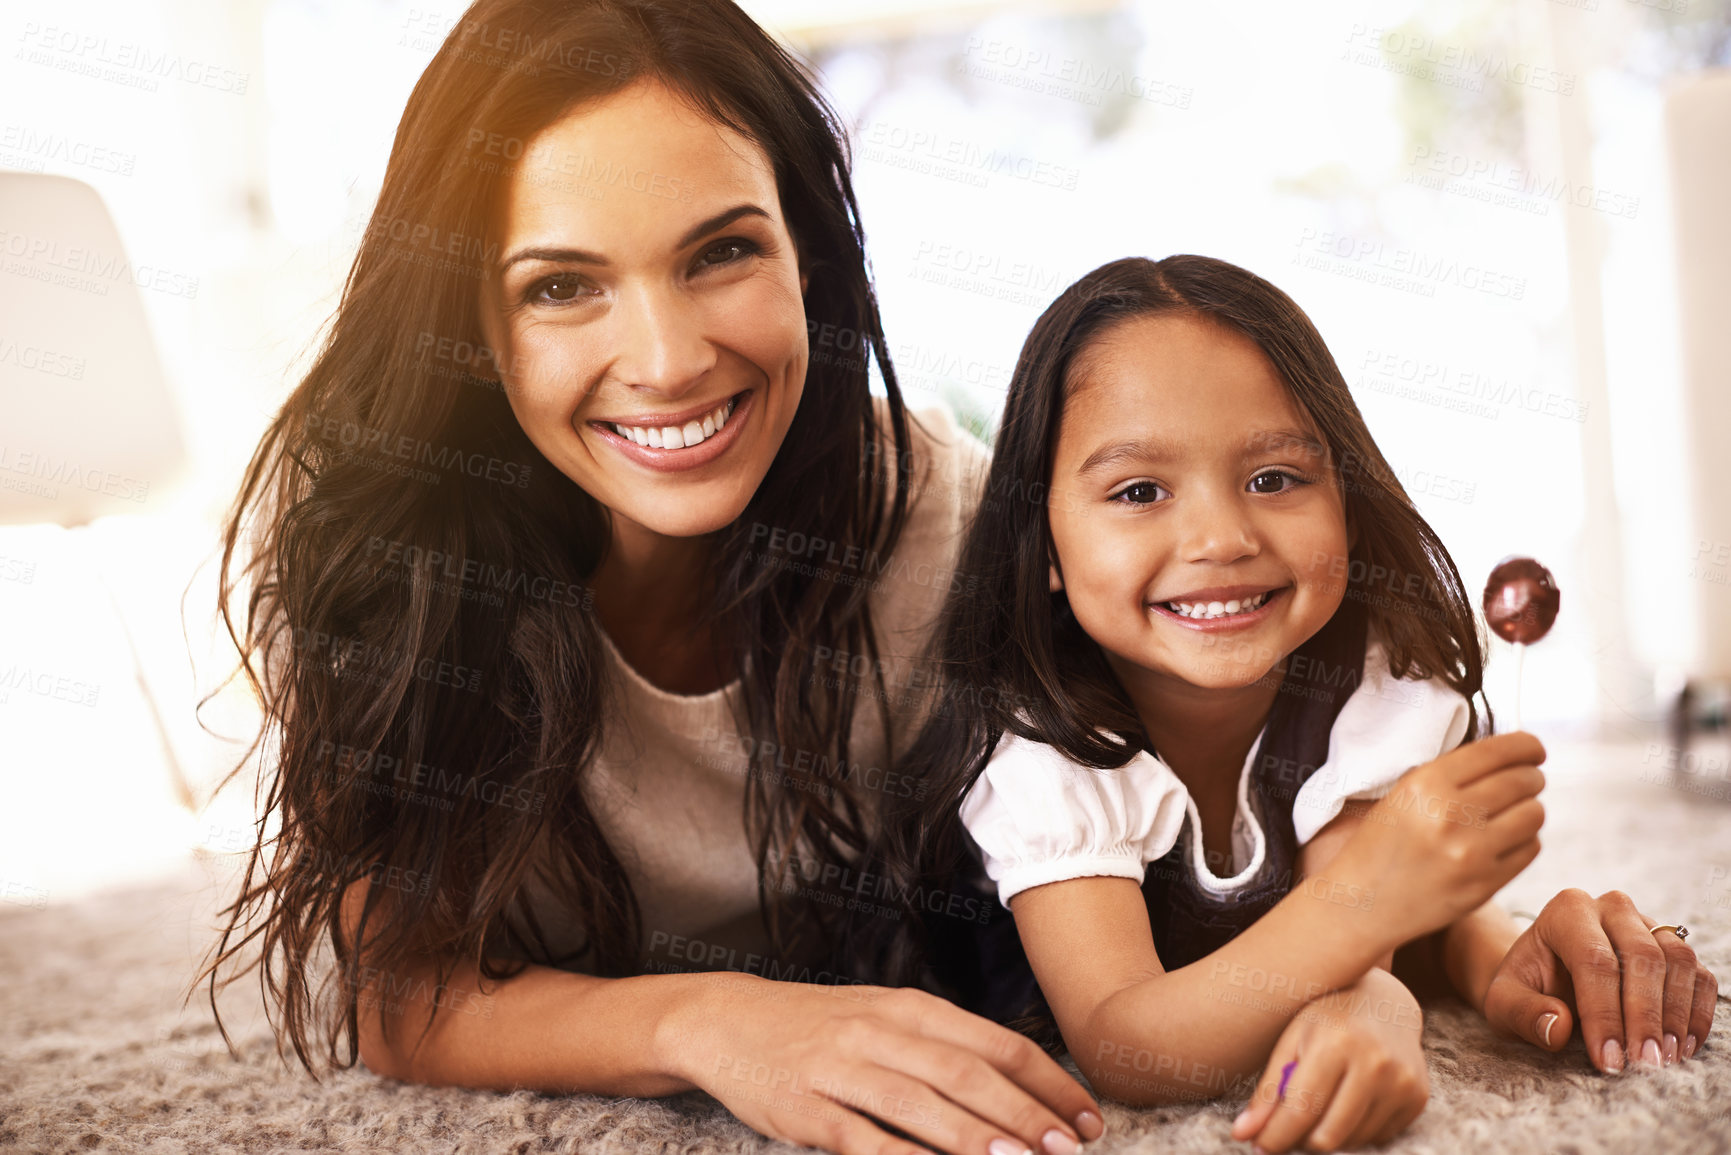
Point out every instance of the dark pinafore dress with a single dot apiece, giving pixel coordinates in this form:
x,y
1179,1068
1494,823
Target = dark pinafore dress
x,y
982,966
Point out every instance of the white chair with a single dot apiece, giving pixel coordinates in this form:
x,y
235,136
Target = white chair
x,y
87,425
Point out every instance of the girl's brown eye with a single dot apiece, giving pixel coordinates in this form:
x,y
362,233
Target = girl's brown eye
x,y
1275,481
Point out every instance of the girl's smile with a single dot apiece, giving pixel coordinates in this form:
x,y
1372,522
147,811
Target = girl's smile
x,y
1222,609
1199,505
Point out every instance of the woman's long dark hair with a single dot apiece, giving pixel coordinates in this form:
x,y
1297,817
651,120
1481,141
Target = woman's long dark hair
x,y
414,572
1010,656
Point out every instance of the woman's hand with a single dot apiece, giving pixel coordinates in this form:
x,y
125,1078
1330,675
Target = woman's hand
x,y
1639,996
1449,835
1358,1073
825,1066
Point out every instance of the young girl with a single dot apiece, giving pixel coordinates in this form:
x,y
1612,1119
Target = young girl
x,y
1213,629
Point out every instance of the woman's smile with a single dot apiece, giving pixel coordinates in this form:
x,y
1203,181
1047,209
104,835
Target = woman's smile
x,y
675,442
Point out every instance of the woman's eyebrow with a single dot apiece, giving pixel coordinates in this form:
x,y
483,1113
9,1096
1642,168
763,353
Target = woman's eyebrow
x,y
584,257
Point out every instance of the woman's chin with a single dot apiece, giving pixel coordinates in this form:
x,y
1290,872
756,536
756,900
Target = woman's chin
x,y
681,516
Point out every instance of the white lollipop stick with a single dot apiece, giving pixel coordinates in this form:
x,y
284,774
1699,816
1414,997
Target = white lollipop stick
x,y
1520,652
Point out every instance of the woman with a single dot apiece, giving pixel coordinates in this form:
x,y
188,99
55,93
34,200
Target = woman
x,y
582,579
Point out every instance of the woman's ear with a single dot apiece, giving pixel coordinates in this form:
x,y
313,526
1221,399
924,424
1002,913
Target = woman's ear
x,y
1054,579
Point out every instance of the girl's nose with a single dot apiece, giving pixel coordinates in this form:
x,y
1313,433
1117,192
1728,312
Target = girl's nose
x,y
1215,528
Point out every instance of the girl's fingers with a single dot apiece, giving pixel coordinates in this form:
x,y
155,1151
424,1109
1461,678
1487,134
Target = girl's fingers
x,y
1345,1113
1401,1120
1264,1098
1469,763
1515,826
1378,1112
1497,792
977,1089
1308,1092
1642,976
1701,1016
1017,1056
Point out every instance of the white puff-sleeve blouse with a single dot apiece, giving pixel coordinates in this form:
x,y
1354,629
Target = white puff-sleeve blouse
x,y
1037,817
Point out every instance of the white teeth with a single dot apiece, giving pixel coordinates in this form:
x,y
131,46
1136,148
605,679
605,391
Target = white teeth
x,y
1207,610
693,432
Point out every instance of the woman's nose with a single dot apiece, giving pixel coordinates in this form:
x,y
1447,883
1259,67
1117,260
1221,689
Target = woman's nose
x,y
661,343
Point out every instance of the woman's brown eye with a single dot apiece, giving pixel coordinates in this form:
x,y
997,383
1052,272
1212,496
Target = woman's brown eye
x,y
726,252
560,288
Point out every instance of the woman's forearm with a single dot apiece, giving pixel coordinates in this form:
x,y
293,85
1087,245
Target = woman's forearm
x,y
1473,947
545,1029
1196,1031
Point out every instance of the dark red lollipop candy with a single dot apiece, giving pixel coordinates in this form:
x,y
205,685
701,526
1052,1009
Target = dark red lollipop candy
x,y
1521,600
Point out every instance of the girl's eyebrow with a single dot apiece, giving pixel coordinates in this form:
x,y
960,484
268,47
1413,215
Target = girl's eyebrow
x,y
1143,449
1277,440
584,257
1132,449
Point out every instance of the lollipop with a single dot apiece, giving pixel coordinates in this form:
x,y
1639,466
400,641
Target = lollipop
x,y
1521,601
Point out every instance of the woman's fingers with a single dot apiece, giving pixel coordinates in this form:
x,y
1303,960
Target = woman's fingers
x,y
1542,1020
1680,970
1701,1017
1643,978
1308,1092
1578,939
985,1102
923,1111
1020,1060
846,1132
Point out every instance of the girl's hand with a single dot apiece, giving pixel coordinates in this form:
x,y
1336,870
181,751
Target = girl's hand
x,y
1449,835
1640,996
824,1066
1358,1073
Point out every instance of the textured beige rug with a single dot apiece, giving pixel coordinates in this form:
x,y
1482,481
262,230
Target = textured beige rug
x,y
97,1053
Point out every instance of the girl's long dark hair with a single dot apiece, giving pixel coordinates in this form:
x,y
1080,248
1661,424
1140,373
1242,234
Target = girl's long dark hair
x,y
405,575
1010,656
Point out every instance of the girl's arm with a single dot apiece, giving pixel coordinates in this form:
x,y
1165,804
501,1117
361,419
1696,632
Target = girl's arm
x,y
810,1064
1145,1036
1327,845
1446,838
